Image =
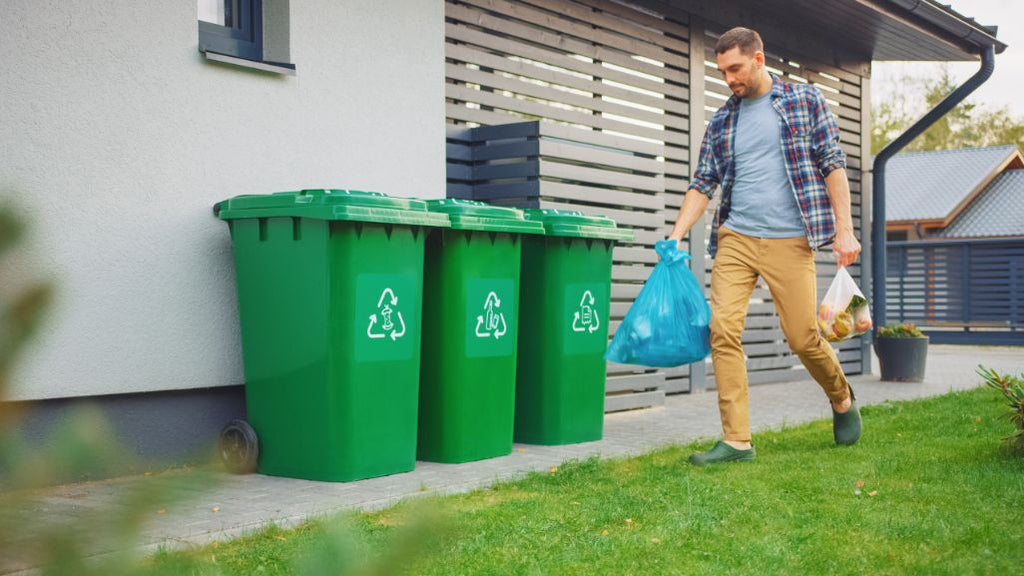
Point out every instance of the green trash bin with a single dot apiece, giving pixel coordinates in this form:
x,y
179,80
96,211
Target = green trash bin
x,y
329,295
470,317
563,333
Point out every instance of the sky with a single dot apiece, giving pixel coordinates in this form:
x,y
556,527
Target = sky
x,y
1004,88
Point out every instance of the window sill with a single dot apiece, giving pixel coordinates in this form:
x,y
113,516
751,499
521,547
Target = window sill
x,y
272,67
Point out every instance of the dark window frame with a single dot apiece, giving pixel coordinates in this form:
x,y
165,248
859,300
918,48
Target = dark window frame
x,y
242,38
897,235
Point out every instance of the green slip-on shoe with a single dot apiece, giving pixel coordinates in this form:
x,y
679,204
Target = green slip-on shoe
x,y
722,452
846,427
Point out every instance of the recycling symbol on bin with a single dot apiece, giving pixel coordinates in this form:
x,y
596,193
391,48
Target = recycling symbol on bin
x,y
390,320
492,322
585,318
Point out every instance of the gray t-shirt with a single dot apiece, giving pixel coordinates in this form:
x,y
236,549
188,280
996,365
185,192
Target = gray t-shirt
x,y
763,202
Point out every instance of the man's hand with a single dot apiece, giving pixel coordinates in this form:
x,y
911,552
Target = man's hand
x,y
679,245
846,248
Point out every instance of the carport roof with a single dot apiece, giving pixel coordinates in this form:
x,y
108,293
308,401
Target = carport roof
x,y
922,30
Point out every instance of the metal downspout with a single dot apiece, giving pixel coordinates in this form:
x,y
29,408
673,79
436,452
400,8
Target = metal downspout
x,y
878,259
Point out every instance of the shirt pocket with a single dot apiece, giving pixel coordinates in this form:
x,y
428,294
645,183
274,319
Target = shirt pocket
x,y
802,134
800,127
801,131
801,138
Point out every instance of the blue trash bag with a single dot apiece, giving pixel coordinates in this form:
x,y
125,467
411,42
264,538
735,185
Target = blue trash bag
x,y
667,325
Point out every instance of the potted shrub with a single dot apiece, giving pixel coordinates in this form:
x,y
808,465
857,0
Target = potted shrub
x,y
902,350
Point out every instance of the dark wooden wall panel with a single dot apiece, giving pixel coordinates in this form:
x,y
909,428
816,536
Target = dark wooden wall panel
x,y
603,69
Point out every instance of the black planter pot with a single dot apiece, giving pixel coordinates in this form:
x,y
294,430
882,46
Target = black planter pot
x,y
902,359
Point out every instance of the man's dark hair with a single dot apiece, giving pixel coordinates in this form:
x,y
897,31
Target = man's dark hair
x,y
746,39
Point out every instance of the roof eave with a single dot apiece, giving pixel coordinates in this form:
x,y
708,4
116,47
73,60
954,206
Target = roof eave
x,y
941,22
908,224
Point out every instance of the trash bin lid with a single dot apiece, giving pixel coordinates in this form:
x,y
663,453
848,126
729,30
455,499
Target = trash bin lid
x,y
355,205
473,215
577,225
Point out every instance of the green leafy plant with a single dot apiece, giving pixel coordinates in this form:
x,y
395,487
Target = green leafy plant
x,y
85,443
969,124
900,331
82,444
1012,387
20,312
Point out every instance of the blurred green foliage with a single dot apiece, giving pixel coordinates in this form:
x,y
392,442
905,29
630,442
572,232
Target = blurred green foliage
x,y
105,539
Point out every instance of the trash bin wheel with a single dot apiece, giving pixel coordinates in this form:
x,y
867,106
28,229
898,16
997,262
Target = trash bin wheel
x,y
239,447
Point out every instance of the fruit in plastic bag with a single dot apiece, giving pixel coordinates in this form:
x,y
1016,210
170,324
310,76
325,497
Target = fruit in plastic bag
x,y
844,311
862,321
667,325
841,325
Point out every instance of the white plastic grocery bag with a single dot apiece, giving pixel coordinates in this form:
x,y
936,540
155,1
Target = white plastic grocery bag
x,y
844,311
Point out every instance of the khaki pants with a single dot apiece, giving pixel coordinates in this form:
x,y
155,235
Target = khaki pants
x,y
787,266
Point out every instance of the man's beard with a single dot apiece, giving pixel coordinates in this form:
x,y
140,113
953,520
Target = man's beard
x,y
744,91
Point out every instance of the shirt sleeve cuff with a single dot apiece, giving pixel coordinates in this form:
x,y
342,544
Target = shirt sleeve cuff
x,y
832,165
705,187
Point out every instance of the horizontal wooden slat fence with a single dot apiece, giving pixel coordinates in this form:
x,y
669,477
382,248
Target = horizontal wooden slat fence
x,y
958,291
603,77
608,82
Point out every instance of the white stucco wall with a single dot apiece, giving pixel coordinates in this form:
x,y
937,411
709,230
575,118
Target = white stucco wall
x,y
116,138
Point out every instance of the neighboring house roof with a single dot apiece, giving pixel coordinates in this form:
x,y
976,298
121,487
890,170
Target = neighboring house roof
x,y
998,211
936,186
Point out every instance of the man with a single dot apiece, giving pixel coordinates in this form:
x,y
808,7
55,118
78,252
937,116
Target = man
x,y
774,150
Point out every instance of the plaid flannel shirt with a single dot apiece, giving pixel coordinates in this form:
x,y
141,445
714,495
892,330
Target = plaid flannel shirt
x,y
810,147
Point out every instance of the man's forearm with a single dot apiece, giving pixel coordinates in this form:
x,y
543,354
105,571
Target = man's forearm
x,y
694,204
846,245
839,193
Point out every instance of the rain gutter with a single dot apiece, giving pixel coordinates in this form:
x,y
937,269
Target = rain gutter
x,y
878,259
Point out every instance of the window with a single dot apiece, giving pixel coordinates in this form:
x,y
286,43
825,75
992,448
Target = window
x,y
233,31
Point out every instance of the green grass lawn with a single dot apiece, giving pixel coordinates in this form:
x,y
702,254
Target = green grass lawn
x,y
928,490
